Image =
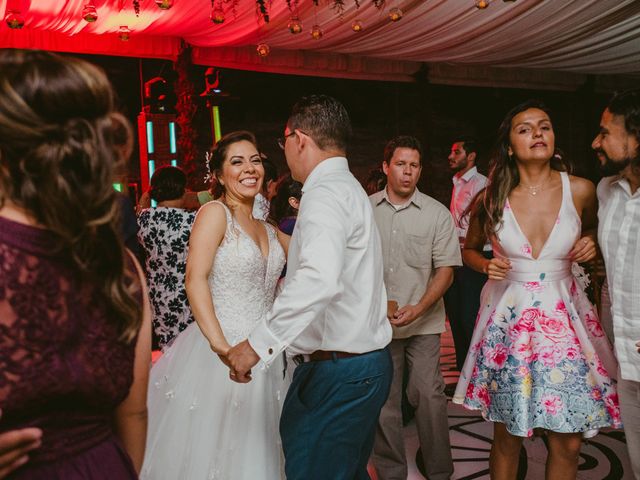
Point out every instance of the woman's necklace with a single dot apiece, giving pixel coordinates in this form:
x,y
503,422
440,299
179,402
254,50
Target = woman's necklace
x,y
535,189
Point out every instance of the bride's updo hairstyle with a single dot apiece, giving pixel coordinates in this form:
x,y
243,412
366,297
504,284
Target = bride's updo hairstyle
x,y
60,141
218,153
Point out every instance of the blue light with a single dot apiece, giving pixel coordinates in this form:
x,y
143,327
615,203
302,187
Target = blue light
x,y
150,148
172,137
174,163
152,168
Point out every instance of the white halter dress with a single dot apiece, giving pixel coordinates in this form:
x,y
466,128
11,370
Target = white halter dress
x,y
203,426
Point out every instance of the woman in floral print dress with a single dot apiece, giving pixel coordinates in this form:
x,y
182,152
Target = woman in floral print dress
x,y
539,358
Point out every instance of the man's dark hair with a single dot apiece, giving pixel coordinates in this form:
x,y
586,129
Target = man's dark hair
x,y
627,104
270,171
402,141
167,183
324,119
470,144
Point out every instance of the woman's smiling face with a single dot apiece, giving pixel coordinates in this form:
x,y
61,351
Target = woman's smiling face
x,y
242,172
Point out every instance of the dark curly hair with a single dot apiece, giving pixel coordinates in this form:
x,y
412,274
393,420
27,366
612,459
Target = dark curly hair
x,y
167,183
219,151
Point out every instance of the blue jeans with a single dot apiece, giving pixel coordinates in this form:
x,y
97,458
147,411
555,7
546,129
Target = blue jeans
x,y
330,415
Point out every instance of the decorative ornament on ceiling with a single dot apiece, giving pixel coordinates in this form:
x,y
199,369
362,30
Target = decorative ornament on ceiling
x,y
164,4
482,4
89,13
295,25
316,32
395,14
263,50
124,33
357,26
14,19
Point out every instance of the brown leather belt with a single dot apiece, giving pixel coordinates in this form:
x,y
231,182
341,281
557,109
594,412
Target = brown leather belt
x,y
323,355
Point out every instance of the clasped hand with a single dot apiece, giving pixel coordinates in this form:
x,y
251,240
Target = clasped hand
x,y
240,359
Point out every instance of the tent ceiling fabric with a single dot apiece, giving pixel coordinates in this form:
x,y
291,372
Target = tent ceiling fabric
x,y
579,36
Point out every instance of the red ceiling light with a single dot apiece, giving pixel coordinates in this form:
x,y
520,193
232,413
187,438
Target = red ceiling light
x,y
89,13
316,32
295,25
482,4
263,50
357,26
395,14
14,19
164,4
124,33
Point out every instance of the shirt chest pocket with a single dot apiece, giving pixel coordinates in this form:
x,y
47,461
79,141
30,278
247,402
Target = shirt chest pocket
x,y
417,251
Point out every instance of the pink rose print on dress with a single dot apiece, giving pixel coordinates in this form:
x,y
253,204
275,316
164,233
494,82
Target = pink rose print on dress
x,y
613,406
596,394
593,325
521,348
534,287
550,355
526,249
552,404
496,357
553,328
600,368
573,289
571,352
528,319
482,394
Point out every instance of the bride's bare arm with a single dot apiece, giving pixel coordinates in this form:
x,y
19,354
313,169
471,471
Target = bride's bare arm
x,y
206,235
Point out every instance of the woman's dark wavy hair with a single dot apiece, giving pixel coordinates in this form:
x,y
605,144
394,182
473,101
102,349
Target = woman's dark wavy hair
x,y
167,183
503,172
219,152
60,141
280,207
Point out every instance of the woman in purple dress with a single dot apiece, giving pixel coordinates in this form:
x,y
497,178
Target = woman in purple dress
x,y
74,338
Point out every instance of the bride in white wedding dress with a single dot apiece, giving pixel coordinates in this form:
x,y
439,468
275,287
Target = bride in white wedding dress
x,y
202,425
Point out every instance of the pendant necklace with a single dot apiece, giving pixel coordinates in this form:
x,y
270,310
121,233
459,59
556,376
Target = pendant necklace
x,y
535,189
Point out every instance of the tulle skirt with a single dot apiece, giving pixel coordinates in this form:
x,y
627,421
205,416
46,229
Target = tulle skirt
x,y
203,426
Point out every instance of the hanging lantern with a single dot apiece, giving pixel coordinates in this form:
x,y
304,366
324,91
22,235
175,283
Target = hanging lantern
x,y
395,14
164,4
217,15
482,4
14,19
124,33
89,13
295,25
263,50
316,32
357,26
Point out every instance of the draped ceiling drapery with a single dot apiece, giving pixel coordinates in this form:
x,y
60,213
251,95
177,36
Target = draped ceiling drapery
x,y
578,36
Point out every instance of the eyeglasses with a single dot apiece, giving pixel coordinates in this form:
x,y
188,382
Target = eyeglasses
x,y
283,140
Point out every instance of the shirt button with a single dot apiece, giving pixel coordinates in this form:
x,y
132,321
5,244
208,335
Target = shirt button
x,y
270,351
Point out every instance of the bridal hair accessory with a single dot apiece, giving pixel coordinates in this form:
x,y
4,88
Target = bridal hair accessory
x,y
207,162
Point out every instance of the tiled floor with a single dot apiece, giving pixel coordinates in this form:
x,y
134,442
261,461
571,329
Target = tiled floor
x,y
603,457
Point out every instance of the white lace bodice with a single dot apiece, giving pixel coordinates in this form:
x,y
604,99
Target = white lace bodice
x,y
242,281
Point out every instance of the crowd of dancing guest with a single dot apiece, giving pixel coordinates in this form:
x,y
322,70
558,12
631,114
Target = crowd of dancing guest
x,y
362,297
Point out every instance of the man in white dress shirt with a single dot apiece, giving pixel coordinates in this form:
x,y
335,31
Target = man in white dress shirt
x,y
331,314
618,148
463,297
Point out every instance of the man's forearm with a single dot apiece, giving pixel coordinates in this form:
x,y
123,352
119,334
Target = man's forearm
x,y
436,288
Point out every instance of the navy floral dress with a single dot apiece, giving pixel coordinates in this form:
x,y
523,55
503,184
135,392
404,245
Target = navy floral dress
x,y
164,234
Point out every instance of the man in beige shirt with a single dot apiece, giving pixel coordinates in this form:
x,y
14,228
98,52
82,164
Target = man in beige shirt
x,y
420,250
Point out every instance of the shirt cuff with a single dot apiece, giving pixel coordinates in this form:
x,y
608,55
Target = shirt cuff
x,y
265,343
